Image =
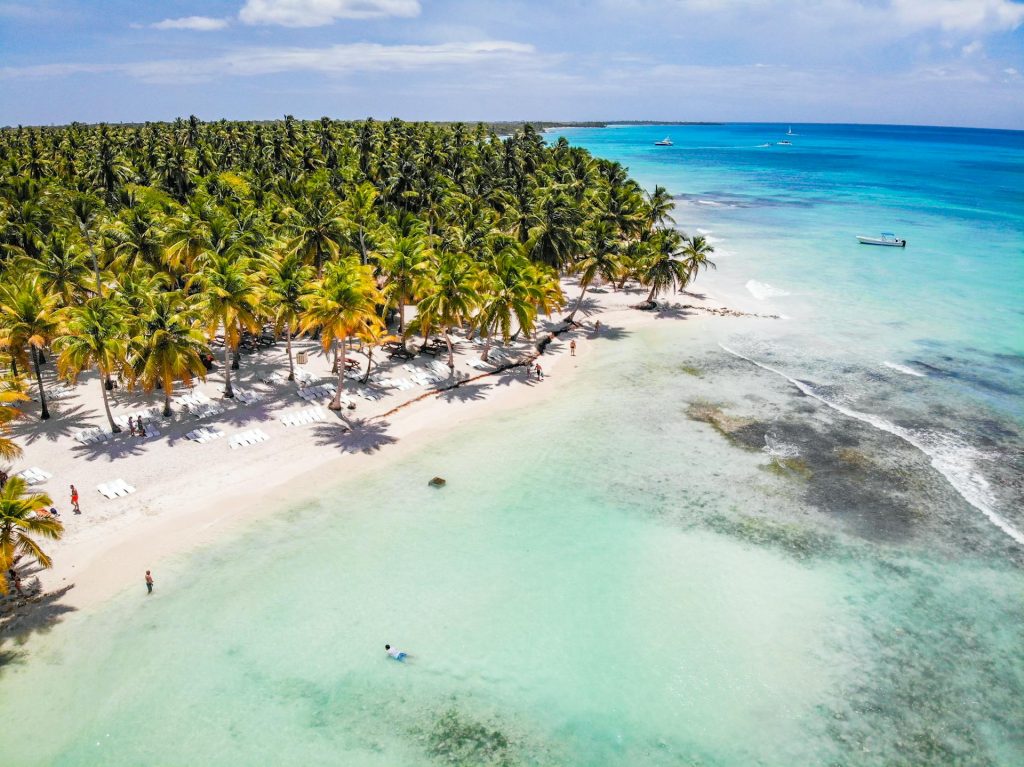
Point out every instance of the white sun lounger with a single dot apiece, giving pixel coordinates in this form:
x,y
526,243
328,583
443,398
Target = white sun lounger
x,y
34,475
246,438
92,435
247,397
115,489
204,435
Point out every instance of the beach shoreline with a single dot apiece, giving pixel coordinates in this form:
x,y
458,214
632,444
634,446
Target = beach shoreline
x,y
105,554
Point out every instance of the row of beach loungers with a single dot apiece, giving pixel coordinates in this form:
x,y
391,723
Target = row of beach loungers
x,y
34,475
198,404
305,415
116,489
204,434
246,438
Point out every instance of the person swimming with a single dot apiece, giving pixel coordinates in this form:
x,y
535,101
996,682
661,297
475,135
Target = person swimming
x,y
395,653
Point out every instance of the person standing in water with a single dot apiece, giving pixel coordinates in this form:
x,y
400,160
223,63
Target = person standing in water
x,y
395,653
149,582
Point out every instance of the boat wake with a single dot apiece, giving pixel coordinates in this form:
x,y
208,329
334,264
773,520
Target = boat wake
x,y
763,291
953,458
903,369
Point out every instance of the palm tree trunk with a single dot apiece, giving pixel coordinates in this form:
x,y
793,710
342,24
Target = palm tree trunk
x,y
235,359
14,366
291,361
168,385
336,402
44,412
369,364
106,405
487,349
228,391
579,301
654,289
95,263
451,353
401,315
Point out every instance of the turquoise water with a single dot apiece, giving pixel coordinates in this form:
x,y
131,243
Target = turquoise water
x,y
681,557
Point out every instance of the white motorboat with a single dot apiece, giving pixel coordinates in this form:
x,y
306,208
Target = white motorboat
x,y
887,238
784,143
664,142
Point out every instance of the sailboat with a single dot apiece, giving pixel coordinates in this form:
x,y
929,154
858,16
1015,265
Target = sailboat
x,y
790,131
664,142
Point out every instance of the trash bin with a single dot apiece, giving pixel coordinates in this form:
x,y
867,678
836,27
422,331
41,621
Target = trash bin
x,y
302,358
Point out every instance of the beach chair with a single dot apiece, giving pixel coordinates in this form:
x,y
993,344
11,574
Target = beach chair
x,y
34,475
117,488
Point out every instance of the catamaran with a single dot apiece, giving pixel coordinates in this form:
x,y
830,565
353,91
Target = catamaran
x,y
887,238
664,142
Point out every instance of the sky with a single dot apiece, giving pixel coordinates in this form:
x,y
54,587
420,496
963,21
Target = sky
x,y
924,62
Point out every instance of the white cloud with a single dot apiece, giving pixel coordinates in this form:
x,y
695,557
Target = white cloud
x,y
317,13
973,47
196,23
333,60
960,15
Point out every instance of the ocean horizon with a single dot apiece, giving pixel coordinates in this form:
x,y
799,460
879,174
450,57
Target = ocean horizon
x,y
790,538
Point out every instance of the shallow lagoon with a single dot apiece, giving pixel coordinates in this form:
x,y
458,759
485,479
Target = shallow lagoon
x,y
605,580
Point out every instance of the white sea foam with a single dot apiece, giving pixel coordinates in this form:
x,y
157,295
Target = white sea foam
x,y
951,456
763,291
712,203
903,369
776,448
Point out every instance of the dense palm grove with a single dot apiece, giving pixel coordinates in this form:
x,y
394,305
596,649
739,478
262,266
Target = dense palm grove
x,y
135,250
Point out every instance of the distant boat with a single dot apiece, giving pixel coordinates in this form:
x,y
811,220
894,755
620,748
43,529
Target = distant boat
x,y
790,131
664,142
784,143
887,238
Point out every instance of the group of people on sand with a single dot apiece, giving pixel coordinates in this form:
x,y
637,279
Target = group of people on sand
x,y
136,430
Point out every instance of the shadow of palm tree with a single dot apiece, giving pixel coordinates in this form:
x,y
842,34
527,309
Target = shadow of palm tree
x,y
64,423
587,307
672,312
611,333
465,393
360,436
33,615
514,376
119,446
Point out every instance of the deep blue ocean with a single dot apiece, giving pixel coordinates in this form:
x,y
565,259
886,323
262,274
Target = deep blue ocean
x,y
925,342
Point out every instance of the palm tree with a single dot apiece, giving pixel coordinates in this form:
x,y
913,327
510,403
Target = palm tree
x,y
450,299
662,268
286,285
319,224
228,300
660,207
168,348
60,268
30,318
95,335
9,394
341,304
695,254
404,264
87,213
18,525
506,293
603,260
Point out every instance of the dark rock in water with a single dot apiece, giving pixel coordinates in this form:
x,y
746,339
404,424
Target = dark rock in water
x,y
437,482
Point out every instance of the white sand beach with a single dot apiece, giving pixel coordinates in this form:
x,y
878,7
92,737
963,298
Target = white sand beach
x,y
187,493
